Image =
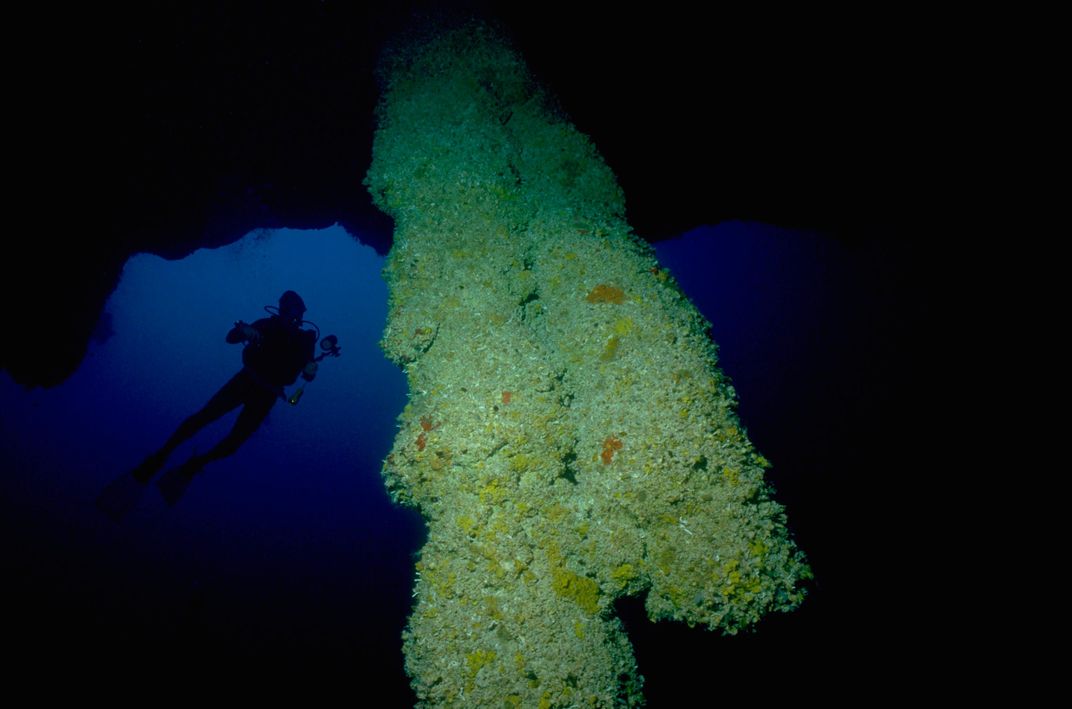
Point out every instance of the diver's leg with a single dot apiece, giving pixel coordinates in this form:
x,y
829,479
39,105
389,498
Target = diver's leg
x,y
226,399
258,404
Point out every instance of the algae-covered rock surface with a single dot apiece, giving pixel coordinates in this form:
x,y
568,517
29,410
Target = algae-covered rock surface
x,y
569,437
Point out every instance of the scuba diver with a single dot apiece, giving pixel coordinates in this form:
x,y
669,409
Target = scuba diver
x,y
277,350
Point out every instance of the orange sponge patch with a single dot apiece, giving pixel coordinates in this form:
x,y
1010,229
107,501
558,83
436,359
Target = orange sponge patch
x,y
610,444
606,294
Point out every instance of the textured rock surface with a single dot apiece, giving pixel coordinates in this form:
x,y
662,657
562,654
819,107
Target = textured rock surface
x,y
569,437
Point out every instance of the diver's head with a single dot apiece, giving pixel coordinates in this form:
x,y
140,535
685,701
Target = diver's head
x,y
291,308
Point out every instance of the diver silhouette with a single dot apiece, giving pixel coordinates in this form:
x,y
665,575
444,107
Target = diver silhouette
x,y
277,350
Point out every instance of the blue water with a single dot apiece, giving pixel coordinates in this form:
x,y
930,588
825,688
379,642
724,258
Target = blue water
x,y
289,552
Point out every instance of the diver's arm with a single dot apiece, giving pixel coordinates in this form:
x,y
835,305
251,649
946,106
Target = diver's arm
x,y
311,365
241,332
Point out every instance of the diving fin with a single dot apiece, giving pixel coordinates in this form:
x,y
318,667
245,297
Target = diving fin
x,y
174,482
120,496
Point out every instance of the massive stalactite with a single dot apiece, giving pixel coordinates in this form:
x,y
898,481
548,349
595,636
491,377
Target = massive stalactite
x,y
569,436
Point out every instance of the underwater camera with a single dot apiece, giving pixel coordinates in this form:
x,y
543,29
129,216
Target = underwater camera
x,y
330,345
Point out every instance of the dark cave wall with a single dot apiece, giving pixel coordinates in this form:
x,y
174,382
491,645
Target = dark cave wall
x,y
197,124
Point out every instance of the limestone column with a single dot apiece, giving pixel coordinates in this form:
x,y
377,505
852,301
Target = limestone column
x,y
569,437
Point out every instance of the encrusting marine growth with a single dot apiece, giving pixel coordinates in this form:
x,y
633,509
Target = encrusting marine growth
x,y
569,437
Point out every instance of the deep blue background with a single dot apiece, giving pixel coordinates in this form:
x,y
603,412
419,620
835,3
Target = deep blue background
x,y
288,556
